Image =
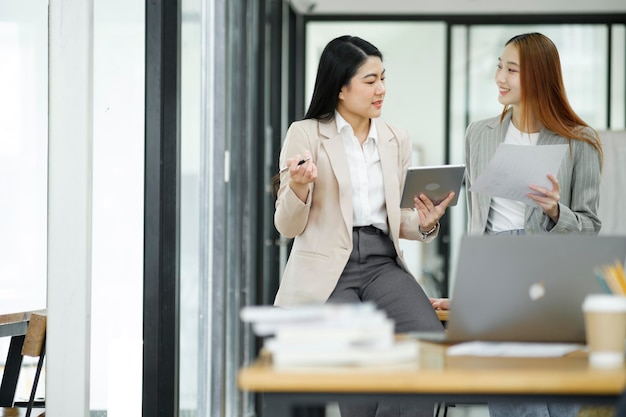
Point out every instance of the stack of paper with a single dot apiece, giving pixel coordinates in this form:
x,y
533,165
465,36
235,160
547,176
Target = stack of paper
x,y
514,167
513,349
329,334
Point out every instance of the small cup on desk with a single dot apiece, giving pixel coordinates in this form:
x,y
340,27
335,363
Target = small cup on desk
x,y
605,327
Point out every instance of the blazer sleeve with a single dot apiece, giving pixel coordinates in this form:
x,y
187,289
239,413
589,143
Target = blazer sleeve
x,y
469,196
291,214
580,215
409,218
481,139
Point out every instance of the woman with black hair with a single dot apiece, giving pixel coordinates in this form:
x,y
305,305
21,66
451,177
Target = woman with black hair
x,y
339,198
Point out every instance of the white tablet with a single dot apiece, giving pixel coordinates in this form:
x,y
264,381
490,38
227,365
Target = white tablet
x,y
434,181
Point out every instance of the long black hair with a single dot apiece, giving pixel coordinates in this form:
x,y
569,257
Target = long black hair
x,y
339,62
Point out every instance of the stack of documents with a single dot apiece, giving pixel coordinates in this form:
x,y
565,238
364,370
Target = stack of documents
x,y
329,334
513,349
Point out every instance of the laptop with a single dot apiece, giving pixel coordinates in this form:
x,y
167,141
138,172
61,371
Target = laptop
x,y
526,288
435,182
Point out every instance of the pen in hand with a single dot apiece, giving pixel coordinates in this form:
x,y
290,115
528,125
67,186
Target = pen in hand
x,y
300,162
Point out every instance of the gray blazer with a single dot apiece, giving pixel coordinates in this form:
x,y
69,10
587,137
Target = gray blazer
x,y
578,176
322,227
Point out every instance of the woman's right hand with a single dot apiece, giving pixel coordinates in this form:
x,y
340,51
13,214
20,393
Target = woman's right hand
x,y
300,175
440,303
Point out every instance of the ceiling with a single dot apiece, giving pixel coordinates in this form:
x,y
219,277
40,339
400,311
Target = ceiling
x,y
421,7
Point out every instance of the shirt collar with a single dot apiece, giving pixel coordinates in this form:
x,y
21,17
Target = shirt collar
x,y
342,124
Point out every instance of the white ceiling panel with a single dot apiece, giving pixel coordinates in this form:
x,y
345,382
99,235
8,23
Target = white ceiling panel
x,y
420,7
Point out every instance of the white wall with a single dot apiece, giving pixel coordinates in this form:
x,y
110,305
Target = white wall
x,y
118,168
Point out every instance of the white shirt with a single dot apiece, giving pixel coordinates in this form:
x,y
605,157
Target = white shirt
x,y
508,214
366,175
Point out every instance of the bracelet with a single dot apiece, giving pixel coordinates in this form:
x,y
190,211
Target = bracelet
x,y
430,232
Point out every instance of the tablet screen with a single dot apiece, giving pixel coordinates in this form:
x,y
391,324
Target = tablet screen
x,y
434,181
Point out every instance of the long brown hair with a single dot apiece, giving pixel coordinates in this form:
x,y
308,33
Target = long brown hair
x,y
543,98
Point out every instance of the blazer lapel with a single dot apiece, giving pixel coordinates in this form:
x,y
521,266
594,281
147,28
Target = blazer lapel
x,y
388,152
333,144
548,138
494,136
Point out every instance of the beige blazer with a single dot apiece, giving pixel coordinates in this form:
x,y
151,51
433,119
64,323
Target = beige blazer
x,y
578,176
322,227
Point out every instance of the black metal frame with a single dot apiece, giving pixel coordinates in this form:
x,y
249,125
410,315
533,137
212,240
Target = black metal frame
x,y
13,366
289,404
31,403
161,210
271,101
11,372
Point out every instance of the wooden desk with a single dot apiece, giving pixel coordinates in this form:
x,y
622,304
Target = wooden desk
x,y
442,315
13,323
15,326
436,377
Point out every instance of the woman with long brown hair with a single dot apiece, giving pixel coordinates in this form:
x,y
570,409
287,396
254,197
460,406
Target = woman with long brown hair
x,y
536,113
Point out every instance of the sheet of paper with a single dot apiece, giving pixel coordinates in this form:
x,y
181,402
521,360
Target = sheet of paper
x,y
513,349
514,167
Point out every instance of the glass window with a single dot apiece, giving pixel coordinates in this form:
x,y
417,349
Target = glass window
x,y
618,89
23,166
583,52
23,153
191,362
117,214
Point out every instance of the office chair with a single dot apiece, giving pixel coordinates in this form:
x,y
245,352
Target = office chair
x,y
34,346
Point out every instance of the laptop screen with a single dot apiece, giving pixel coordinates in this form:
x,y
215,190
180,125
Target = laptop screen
x,y
527,288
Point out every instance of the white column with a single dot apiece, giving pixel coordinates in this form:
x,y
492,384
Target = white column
x,y
70,72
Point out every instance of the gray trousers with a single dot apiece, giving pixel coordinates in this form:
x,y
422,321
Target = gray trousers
x,y
533,410
372,274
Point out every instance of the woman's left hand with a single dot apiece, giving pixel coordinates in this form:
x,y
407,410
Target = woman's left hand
x,y
440,303
429,213
548,200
